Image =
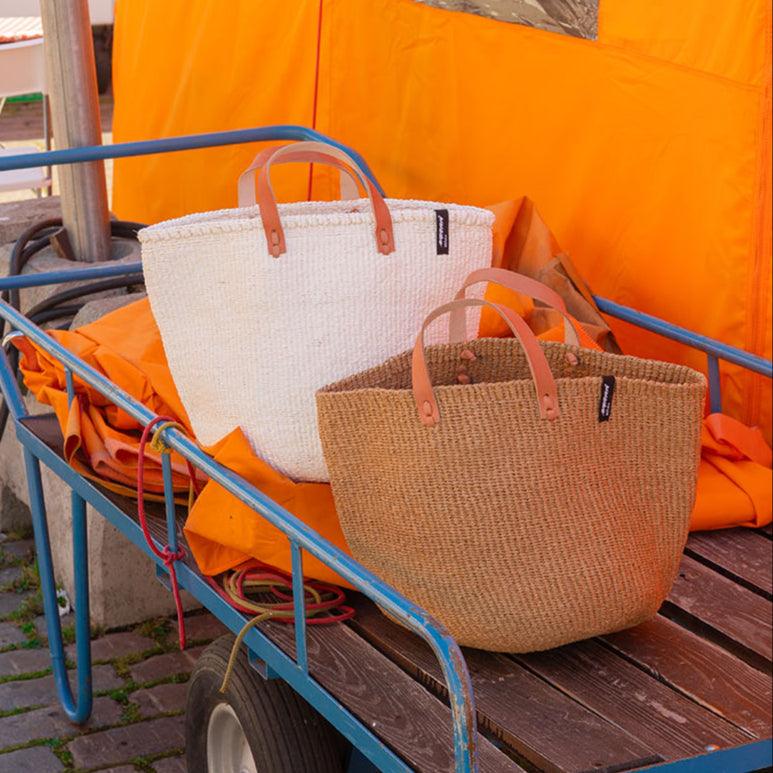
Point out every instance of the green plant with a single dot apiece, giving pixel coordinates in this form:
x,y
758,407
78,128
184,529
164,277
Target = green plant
x,y
157,628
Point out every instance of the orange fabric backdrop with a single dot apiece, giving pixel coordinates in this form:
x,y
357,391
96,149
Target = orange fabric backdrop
x,y
647,151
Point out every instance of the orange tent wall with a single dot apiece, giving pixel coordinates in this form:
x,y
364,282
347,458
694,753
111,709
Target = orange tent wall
x,y
648,151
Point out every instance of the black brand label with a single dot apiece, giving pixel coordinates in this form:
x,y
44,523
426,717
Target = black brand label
x,y
441,221
605,401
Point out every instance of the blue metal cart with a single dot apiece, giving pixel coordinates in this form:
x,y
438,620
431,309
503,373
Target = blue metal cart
x,y
375,695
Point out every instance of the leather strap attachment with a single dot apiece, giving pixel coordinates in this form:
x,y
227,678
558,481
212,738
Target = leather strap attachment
x,y
348,183
544,382
317,152
518,283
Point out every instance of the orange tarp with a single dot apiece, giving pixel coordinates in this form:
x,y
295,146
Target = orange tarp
x,y
647,150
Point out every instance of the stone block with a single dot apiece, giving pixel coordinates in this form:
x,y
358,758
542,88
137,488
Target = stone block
x,y
115,645
38,759
25,693
52,722
171,765
17,216
121,744
165,666
161,699
10,635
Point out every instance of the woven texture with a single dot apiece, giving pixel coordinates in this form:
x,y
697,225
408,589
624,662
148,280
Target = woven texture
x,y
519,534
250,337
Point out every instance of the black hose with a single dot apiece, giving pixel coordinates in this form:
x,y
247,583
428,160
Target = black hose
x,y
115,283
32,241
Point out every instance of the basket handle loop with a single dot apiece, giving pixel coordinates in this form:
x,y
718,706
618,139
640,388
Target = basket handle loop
x,y
518,283
544,383
350,188
322,153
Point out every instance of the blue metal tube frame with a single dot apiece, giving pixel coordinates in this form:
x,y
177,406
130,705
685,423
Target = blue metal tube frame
x,y
445,647
705,344
170,144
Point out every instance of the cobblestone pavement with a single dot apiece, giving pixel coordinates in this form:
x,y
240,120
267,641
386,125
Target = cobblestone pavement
x,y
139,679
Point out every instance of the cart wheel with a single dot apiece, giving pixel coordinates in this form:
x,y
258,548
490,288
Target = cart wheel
x,y
256,726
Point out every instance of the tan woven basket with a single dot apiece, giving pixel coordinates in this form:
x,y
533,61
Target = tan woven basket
x,y
518,532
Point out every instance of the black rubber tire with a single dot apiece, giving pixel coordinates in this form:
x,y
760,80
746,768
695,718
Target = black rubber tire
x,y
285,734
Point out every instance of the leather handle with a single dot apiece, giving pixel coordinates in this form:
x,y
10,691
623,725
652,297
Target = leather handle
x,y
518,283
326,154
349,186
544,383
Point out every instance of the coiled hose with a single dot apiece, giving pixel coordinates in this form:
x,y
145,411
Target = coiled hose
x,y
65,304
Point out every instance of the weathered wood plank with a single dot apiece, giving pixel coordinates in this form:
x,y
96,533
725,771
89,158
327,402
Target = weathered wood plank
x,y
704,672
539,723
619,691
397,708
743,555
728,614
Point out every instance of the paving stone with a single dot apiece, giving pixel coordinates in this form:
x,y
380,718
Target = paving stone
x,y
24,661
52,722
38,759
10,602
8,575
23,693
40,624
20,548
10,634
164,666
160,699
121,769
114,645
202,628
171,765
120,744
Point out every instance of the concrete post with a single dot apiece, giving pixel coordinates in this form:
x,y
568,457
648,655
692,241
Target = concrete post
x,y
72,85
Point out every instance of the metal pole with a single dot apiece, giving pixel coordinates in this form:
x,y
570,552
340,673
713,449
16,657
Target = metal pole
x,y
72,85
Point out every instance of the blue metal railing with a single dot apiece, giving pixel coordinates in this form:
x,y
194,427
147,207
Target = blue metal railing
x,y
172,144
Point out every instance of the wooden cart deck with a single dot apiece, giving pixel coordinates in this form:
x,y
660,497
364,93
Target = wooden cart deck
x,y
694,679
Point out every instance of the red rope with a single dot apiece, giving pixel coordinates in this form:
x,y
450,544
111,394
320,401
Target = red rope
x,y
334,596
167,555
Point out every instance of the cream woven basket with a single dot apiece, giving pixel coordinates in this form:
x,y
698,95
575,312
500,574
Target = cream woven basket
x,y
545,501
260,306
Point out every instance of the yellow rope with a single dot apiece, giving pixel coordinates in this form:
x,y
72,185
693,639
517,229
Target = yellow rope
x,y
266,612
156,443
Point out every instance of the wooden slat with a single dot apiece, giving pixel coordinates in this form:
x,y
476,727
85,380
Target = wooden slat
x,y
729,614
743,555
701,670
619,691
539,723
397,708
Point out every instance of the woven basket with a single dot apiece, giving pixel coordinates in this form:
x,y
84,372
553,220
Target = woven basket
x,y
260,306
518,528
